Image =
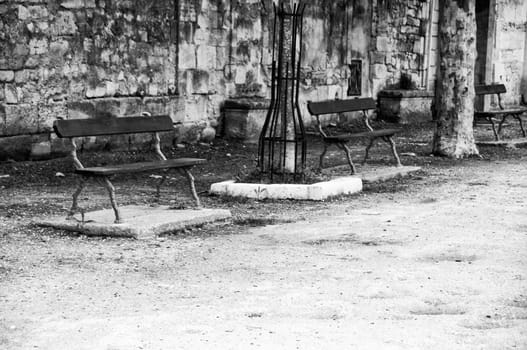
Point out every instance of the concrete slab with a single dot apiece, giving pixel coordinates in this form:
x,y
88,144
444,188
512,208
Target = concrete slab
x,y
140,222
315,192
370,173
510,143
384,174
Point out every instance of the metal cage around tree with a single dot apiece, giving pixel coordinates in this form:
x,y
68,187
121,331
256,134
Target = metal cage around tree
x,y
282,144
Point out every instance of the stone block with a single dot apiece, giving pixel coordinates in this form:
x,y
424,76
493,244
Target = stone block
x,y
187,57
40,150
48,113
7,76
77,4
10,94
206,57
156,105
15,147
80,109
38,46
59,147
131,106
188,132
64,24
20,119
176,108
96,91
38,11
405,106
379,71
200,82
383,44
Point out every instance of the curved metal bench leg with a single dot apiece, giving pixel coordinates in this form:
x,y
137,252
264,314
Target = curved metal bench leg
x,y
350,161
367,152
111,191
391,142
496,135
76,194
190,179
158,186
321,161
519,119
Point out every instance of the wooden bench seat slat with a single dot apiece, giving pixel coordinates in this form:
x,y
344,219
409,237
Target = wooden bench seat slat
x,y
375,133
341,106
112,126
140,167
501,111
490,89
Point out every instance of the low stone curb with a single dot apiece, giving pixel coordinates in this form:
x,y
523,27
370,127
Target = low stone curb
x,y
315,192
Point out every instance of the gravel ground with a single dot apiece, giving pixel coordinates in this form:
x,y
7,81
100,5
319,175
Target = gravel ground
x,y
433,261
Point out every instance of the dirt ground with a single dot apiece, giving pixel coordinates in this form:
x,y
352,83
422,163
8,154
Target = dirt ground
x,y
437,260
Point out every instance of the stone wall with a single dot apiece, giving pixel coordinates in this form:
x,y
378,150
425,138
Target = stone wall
x,y
76,58
399,30
72,58
508,58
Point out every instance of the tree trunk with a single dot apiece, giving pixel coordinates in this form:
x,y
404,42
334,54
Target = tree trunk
x,y
454,134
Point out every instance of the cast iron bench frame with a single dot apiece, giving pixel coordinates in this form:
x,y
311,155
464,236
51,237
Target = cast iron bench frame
x,y
363,105
502,112
75,128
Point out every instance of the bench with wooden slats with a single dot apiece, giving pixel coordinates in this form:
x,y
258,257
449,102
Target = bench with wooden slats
x,y
363,105
116,126
500,115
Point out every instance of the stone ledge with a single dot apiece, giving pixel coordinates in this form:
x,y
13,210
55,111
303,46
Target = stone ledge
x,y
247,103
397,93
314,192
384,174
509,143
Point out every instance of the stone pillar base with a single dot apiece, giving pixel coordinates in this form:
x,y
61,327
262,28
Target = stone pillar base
x,y
405,106
244,118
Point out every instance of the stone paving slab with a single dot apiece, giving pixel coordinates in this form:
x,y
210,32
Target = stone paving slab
x,y
510,143
369,173
384,174
141,222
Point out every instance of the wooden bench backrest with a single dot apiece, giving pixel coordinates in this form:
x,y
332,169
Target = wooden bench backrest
x,y
490,89
341,106
112,126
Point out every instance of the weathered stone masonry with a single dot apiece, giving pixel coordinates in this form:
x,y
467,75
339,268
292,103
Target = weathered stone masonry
x,y
76,58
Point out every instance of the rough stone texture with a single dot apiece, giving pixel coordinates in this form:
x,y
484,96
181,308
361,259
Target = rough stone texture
x,y
405,106
399,28
140,222
187,61
509,54
244,119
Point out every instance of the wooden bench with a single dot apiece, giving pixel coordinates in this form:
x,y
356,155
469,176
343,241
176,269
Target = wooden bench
x,y
497,115
352,105
116,126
